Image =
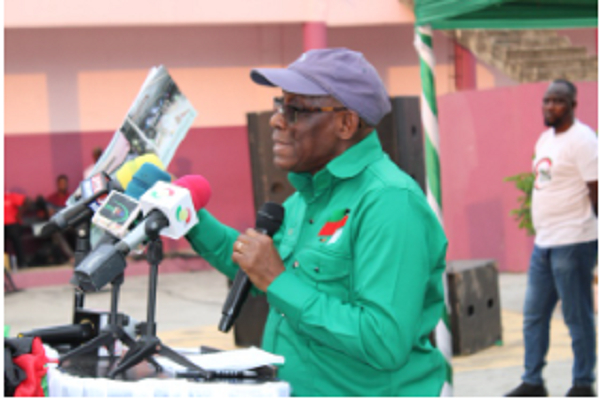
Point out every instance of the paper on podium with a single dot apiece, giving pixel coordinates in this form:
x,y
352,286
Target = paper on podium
x,y
234,360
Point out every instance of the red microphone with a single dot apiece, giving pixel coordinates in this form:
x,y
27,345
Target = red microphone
x,y
198,187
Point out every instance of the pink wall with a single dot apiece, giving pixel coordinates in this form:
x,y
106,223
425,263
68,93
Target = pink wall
x,y
48,74
194,12
70,59
486,136
219,154
84,79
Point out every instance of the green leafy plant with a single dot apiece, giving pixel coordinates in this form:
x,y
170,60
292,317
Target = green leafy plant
x,y
524,183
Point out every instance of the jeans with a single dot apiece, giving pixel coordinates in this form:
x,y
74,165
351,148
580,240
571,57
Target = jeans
x,y
565,273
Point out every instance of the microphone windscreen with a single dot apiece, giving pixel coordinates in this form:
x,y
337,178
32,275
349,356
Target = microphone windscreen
x,y
130,168
198,187
146,176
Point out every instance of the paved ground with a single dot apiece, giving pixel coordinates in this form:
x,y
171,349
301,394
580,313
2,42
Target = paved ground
x,y
188,310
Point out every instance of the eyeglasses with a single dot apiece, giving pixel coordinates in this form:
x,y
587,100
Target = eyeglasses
x,y
290,112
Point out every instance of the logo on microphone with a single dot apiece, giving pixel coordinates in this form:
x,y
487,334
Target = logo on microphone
x,y
183,214
163,192
120,213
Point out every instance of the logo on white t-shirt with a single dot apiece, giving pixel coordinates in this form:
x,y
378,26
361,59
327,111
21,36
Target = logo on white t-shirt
x,y
543,174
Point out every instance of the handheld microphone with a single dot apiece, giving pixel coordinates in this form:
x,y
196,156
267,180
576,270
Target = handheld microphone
x,y
169,210
80,211
268,221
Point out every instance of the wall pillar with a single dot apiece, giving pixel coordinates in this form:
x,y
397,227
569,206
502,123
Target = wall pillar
x,y
465,72
314,35
314,30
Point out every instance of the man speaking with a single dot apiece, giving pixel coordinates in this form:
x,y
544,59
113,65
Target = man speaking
x,y
353,277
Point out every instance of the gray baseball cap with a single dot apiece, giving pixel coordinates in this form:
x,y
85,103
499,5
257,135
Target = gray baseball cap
x,y
344,74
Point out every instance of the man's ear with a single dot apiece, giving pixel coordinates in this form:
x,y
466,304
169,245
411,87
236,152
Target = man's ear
x,y
349,125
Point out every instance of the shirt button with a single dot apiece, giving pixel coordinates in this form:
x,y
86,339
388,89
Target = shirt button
x,y
282,315
296,264
311,221
317,269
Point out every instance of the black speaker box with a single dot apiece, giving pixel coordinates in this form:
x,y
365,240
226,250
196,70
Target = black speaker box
x,y
475,305
401,137
268,182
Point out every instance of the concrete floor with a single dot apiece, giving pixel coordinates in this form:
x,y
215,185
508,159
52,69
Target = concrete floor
x,y
189,308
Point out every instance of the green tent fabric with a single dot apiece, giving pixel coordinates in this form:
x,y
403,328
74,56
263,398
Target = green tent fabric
x,y
507,14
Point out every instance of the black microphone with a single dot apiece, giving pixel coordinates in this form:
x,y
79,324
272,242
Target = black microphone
x,y
168,205
80,211
268,221
73,334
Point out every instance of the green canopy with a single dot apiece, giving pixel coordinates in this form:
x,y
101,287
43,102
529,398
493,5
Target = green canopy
x,y
507,14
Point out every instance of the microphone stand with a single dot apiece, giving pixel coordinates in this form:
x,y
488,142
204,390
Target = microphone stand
x,y
149,344
82,249
114,329
111,332
71,335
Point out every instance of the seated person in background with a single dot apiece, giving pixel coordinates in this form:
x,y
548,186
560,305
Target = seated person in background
x,y
40,208
59,198
56,201
40,250
13,203
34,211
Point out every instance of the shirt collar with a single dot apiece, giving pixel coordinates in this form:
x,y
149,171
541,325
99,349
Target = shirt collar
x,y
349,164
573,125
356,158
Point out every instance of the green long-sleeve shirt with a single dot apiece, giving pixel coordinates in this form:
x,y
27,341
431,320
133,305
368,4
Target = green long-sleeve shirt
x,y
362,289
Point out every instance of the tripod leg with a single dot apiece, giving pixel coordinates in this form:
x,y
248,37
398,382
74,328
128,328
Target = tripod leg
x,y
130,342
104,339
126,339
130,353
133,357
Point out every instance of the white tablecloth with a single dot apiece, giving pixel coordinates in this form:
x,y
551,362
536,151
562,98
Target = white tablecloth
x,y
61,384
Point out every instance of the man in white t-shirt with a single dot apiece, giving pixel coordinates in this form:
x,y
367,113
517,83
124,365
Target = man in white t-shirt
x,y
564,213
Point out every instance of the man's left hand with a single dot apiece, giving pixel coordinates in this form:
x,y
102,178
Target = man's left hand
x,y
257,256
